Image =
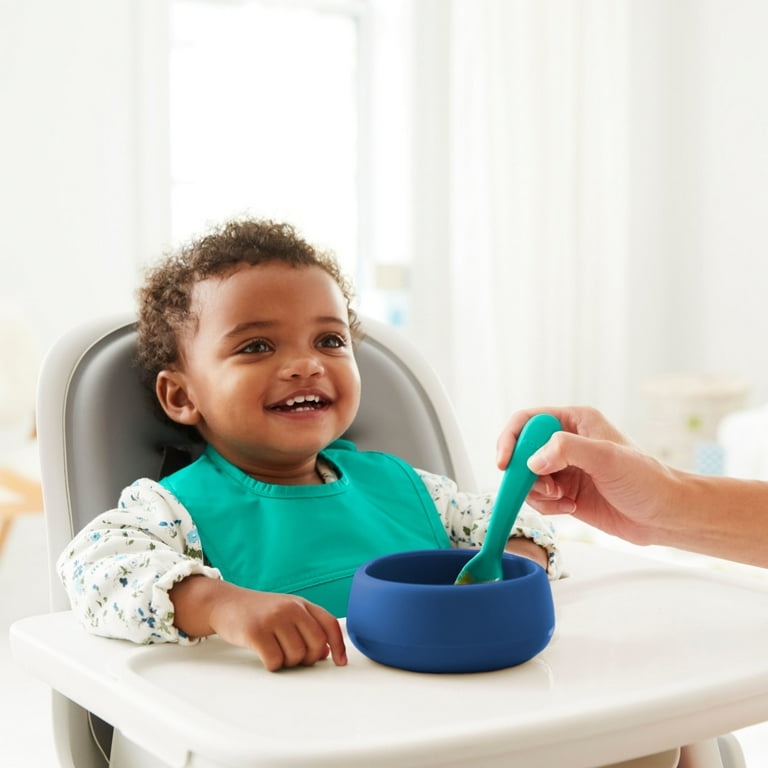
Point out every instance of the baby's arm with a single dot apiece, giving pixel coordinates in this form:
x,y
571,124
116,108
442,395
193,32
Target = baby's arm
x,y
135,573
119,569
285,630
466,516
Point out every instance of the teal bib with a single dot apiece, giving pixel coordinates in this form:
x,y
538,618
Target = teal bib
x,y
307,540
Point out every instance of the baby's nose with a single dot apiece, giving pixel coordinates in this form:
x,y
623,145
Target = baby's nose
x,y
303,366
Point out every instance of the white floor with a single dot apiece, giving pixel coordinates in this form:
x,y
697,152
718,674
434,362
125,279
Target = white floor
x,y
25,740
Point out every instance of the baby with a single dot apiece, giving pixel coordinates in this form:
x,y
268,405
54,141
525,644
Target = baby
x,y
247,337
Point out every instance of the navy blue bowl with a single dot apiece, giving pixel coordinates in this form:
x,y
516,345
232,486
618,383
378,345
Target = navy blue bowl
x,y
405,611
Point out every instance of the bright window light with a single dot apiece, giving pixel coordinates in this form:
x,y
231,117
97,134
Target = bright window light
x,y
264,117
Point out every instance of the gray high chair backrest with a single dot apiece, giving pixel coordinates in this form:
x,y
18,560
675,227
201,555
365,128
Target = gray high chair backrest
x,y
98,431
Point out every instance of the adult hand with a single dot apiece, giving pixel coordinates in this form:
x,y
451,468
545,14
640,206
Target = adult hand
x,y
590,470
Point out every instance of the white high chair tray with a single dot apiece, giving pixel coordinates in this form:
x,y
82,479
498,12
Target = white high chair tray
x,y
645,657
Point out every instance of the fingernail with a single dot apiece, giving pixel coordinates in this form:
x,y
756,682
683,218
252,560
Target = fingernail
x,y
538,462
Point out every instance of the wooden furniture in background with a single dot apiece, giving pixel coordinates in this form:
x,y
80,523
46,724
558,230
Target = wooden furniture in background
x,y
27,498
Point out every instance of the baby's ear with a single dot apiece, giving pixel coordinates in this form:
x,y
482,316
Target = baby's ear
x,y
171,390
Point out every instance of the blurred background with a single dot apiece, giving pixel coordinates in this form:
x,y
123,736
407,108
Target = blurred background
x,y
559,201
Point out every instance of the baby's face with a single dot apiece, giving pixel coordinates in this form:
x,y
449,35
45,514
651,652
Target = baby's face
x,y
269,371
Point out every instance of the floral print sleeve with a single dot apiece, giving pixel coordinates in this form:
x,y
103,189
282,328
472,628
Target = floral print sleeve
x,y
117,571
466,516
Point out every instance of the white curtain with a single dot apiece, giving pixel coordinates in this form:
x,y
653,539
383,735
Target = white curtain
x,y
520,203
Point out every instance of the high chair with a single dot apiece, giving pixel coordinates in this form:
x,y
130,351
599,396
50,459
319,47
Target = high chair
x,y
99,431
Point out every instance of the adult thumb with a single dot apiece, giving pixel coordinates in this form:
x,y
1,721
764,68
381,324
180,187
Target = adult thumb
x,y
565,449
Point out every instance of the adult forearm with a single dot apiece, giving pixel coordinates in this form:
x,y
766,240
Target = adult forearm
x,y
722,517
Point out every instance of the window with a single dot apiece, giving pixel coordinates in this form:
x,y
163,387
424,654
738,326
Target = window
x,y
265,117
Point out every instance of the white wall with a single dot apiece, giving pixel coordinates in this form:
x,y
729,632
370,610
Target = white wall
x,y
68,160
699,188
73,188
734,199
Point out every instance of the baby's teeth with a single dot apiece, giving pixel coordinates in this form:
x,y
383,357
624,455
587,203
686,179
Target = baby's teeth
x,y
291,401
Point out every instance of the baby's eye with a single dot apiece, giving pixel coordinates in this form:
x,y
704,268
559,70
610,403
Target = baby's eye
x,y
332,341
256,347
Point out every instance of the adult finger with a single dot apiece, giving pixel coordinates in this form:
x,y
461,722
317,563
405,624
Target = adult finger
x,y
505,445
602,460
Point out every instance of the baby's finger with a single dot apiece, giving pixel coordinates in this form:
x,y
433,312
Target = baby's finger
x,y
270,652
292,644
315,640
333,635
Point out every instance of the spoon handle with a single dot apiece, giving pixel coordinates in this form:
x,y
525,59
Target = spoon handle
x,y
518,480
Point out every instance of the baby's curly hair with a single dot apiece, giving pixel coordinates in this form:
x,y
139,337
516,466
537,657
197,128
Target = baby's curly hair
x,y
166,295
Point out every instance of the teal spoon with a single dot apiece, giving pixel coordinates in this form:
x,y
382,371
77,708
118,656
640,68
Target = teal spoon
x,y
515,486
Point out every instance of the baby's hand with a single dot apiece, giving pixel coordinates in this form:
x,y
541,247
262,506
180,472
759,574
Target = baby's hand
x,y
285,630
529,549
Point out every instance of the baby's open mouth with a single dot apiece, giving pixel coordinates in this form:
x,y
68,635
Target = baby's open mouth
x,y
300,403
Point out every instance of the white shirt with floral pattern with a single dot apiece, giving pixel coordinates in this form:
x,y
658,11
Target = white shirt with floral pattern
x,y
119,569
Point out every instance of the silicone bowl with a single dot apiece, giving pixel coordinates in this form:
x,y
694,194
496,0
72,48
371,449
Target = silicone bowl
x,y
405,611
